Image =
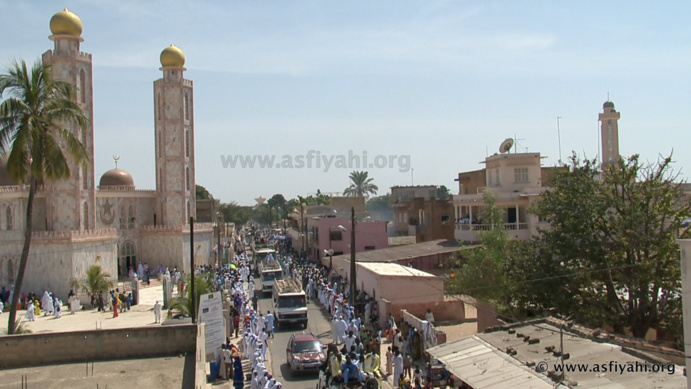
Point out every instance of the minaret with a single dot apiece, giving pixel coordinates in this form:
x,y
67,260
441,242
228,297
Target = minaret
x,y
174,118
71,202
609,133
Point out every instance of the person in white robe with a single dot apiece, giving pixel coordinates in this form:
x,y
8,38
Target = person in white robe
x,y
30,313
58,309
397,368
140,271
47,304
157,311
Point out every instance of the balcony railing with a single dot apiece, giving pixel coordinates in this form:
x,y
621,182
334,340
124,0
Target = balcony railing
x,y
487,227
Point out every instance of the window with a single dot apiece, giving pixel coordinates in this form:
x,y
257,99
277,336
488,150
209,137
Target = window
x,y
82,86
444,220
123,218
160,144
496,178
189,211
160,105
187,177
10,219
86,216
368,248
187,106
520,174
335,235
187,143
131,217
85,180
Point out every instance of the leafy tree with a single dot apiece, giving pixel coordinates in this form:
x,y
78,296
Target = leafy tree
x,y
96,282
612,244
443,192
235,213
380,204
276,202
35,120
202,193
183,304
360,185
482,274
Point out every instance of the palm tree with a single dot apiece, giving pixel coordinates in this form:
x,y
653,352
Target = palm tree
x,y
96,282
360,185
183,305
34,127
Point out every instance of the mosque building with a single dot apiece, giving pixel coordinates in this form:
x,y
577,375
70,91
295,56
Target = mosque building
x,y
78,222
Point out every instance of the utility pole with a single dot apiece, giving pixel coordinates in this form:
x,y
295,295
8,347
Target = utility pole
x,y
353,268
194,301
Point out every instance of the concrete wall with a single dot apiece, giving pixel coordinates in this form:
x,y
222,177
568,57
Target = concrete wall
x,y
486,317
97,345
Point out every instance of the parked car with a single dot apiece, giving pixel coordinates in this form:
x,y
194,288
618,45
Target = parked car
x,y
305,353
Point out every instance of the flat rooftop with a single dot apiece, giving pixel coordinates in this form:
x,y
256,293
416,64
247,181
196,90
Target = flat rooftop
x,y
165,372
394,269
407,252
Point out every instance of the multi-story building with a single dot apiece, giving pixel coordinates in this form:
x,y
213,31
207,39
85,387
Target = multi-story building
x,y
418,212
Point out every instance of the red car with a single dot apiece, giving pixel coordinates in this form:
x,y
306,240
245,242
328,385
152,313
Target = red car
x,y
305,353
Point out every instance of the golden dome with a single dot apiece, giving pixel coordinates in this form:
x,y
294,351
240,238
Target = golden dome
x,y
66,23
172,56
116,177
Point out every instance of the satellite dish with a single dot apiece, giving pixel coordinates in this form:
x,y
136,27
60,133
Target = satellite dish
x,y
506,145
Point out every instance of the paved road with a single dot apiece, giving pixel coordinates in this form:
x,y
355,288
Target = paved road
x,y
317,323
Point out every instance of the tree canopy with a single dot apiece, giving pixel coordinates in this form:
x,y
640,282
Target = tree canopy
x,y
610,256
41,126
360,185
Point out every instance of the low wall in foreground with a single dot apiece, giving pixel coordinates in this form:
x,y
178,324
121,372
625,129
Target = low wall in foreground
x,y
96,345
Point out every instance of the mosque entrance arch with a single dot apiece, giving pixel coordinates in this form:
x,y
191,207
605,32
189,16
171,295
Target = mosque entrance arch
x,y
127,259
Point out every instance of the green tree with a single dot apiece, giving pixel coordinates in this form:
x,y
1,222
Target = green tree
x,y
276,202
443,192
235,213
613,236
35,120
183,304
482,274
360,185
380,205
202,193
96,282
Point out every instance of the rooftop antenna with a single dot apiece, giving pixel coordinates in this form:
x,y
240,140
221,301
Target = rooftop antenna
x,y
516,139
412,181
559,137
116,158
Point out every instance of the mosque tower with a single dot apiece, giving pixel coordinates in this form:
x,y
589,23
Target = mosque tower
x,y
174,118
70,204
609,133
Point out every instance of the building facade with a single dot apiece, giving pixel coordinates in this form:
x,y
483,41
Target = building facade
x,y
78,224
418,212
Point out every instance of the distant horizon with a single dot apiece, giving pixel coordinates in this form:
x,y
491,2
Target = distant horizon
x,y
426,90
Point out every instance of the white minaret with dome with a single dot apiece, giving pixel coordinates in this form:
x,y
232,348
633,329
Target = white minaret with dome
x,y
174,118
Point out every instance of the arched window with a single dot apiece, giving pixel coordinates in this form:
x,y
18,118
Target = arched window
x,y
82,86
160,105
187,106
187,143
187,177
132,217
9,218
86,215
123,218
85,179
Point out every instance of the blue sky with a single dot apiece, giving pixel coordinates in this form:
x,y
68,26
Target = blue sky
x,y
443,82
